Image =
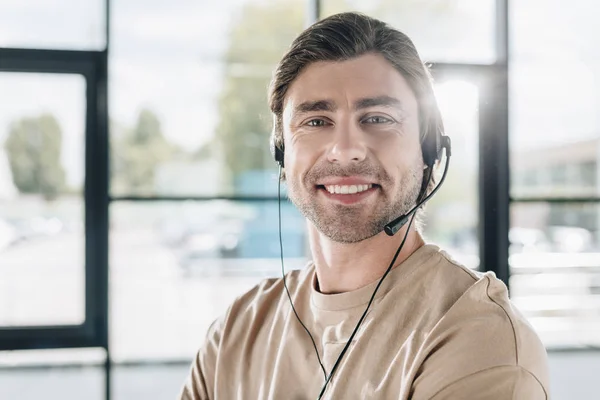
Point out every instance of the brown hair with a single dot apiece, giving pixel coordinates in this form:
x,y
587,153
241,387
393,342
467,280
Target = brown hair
x,y
349,35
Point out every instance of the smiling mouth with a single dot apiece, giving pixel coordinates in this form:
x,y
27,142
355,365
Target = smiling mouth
x,y
348,194
347,189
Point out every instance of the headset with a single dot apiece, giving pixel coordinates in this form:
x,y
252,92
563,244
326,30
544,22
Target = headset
x,y
433,146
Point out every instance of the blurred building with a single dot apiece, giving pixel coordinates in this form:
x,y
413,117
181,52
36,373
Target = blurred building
x,y
569,170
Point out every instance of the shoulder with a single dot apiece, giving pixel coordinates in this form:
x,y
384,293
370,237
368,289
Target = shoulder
x,y
249,313
486,304
480,328
262,303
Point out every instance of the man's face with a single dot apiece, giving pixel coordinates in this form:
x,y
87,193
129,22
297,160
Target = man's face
x,y
352,152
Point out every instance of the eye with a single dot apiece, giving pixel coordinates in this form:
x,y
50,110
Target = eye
x,y
377,119
316,122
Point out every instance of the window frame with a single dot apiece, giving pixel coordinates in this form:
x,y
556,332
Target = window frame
x,y
92,67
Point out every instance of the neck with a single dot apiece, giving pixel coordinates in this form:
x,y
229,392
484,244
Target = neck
x,y
343,267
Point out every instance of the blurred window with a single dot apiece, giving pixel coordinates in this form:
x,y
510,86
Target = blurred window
x,y
53,24
176,266
455,31
555,271
189,117
42,274
588,171
188,95
65,374
451,216
555,252
558,175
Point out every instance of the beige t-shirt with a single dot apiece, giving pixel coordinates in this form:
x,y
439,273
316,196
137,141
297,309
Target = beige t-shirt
x,y
436,330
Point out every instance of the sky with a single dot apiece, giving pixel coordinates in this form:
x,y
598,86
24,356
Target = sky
x,y
165,56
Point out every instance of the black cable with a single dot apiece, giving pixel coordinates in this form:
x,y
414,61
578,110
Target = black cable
x,y
283,273
366,310
399,223
411,214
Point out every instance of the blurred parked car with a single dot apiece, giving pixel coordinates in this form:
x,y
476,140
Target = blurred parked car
x,y
570,239
36,227
209,241
528,240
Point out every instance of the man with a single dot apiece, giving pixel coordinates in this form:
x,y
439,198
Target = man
x,y
353,111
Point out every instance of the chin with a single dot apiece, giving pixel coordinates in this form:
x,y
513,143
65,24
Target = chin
x,y
345,232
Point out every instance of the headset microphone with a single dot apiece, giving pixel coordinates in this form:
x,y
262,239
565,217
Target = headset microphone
x,y
393,227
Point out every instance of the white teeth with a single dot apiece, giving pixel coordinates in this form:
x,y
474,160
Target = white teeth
x,y
347,189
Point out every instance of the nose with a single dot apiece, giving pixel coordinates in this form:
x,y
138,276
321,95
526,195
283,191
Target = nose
x,y
348,145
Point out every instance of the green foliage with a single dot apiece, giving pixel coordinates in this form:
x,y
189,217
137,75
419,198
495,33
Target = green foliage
x,y
203,152
34,147
258,38
136,155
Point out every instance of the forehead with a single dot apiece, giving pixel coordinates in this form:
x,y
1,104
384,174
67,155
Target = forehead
x,y
370,75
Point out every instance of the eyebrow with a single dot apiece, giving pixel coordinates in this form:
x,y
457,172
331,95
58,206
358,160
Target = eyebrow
x,y
387,101
329,105
318,105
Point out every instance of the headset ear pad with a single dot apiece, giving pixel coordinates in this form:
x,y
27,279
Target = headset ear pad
x,y
277,152
279,155
432,149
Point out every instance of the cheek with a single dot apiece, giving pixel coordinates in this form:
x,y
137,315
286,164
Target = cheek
x,y
390,153
295,167
300,156
399,156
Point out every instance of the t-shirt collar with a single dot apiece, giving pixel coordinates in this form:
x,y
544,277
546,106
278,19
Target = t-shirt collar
x,y
361,296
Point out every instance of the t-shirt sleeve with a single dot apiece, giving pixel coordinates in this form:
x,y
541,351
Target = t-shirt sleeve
x,y
199,384
509,382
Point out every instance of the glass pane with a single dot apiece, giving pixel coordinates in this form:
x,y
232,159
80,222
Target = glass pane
x,y
451,216
149,381
52,374
443,31
53,24
555,270
42,137
561,170
188,86
171,260
555,144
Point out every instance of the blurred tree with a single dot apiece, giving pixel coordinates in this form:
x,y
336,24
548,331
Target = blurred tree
x,y
33,147
258,37
204,152
137,153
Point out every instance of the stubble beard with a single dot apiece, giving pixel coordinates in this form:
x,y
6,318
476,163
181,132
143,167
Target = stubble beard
x,y
355,223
